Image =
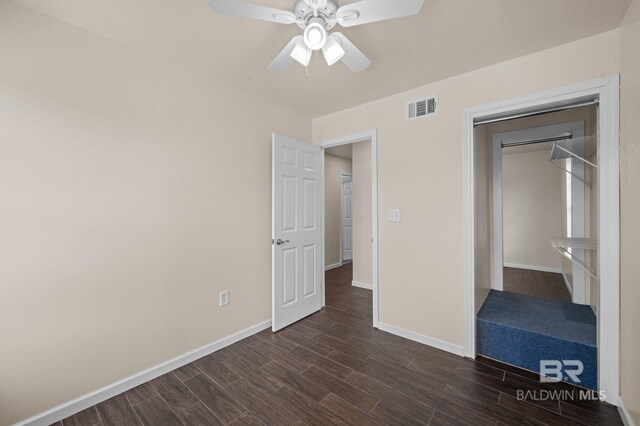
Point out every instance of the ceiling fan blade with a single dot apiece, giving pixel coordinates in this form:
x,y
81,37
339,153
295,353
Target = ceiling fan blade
x,y
253,11
366,11
353,58
284,59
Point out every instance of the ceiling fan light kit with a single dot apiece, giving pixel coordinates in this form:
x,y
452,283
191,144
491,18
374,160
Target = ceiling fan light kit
x,y
316,18
332,50
315,35
301,53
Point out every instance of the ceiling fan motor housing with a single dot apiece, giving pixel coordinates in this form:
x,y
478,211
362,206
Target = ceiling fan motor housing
x,y
326,11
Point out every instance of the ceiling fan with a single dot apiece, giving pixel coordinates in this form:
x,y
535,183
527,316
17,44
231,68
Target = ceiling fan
x,y
316,18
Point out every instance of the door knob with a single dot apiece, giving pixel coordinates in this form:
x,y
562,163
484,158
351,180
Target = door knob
x,y
281,242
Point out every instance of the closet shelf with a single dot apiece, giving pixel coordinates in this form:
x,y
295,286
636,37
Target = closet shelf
x,y
559,152
577,243
564,245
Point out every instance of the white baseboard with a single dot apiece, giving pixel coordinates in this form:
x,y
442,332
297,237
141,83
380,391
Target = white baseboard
x,y
532,268
333,266
83,402
624,414
361,285
566,283
421,338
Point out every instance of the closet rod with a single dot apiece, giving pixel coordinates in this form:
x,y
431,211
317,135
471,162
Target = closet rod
x,y
561,137
538,112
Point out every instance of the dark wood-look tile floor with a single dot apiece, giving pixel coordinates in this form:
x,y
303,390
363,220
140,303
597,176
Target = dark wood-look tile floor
x,y
334,368
549,285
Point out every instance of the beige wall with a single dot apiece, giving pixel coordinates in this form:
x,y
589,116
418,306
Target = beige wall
x,y
630,205
532,209
131,193
333,168
484,210
420,172
362,267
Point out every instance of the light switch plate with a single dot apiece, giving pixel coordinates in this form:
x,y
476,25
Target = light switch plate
x,y
224,297
394,215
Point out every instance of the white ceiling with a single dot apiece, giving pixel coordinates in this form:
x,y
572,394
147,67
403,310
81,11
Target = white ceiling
x,y
447,38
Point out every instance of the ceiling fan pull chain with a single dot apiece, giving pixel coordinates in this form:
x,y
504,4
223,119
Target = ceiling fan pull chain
x,y
306,68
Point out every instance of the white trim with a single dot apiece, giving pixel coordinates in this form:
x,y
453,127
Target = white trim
x,y
332,266
497,242
624,414
83,402
566,283
606,90
361,137
533,267
321,222
468,232
421,338
361,285
609,238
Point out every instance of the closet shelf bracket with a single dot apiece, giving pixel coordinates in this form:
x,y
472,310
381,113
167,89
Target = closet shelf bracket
x,y
564,246
560,153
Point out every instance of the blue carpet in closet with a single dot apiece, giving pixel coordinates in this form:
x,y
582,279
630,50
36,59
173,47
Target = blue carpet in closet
x,y
522,330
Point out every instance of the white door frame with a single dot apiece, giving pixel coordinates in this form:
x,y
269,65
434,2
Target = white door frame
x,y
344,174
579,197
607,91
346,140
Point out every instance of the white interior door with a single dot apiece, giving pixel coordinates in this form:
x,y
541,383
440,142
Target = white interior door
x,y
297,220
346,192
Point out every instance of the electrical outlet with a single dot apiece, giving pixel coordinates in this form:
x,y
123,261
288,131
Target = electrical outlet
x,y
224,297
394,215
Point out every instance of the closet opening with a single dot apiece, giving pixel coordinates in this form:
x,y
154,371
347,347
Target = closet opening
x,y
536,205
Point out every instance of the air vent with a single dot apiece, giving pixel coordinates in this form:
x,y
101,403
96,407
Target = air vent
x,y
422,108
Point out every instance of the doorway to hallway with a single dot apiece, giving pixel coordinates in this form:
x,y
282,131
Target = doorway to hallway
x,y
351,218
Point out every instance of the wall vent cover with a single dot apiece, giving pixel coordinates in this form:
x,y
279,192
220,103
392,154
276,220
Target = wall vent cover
x,y
422,108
